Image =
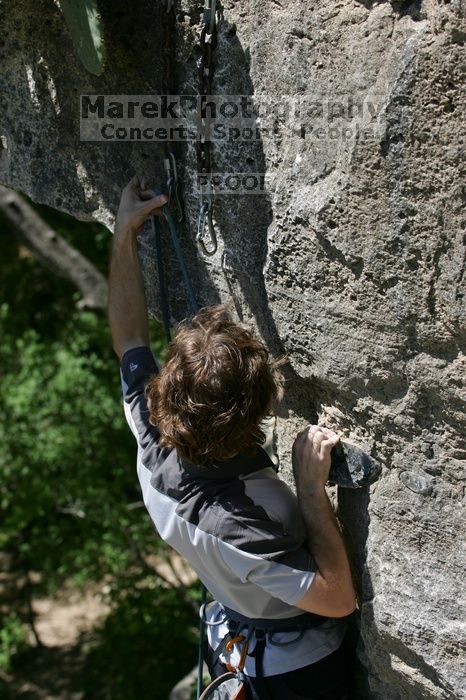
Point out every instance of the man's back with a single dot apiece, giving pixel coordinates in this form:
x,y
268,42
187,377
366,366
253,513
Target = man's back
x,y
237,524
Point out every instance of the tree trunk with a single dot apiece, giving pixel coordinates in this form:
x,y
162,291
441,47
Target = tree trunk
x,y
53,250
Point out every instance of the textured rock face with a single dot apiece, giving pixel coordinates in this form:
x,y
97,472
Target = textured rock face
x,y
351,262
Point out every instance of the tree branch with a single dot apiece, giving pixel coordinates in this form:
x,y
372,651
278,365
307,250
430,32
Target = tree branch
x,y
52,250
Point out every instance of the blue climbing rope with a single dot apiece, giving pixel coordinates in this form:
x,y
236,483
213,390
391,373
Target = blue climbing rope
x,y
165,309
181,260
200,658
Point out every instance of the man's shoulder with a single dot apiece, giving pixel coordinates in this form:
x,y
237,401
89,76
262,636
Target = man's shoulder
x,y
137,366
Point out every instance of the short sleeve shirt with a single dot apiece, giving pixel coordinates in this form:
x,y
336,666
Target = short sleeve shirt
x,y
236,523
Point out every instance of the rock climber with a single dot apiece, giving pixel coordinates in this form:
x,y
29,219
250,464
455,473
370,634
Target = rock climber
x,y
266,556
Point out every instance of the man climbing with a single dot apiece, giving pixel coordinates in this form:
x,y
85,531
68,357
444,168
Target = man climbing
x,y
275,564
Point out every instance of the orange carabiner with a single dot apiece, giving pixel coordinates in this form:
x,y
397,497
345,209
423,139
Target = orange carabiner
x,y
244,651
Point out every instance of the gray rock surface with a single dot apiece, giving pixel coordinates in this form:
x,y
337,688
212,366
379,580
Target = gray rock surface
x,y
351,263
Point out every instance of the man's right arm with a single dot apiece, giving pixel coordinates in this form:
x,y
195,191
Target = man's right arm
x,y
331,593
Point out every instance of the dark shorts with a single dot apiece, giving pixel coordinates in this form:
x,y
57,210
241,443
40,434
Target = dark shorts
x,y
327,679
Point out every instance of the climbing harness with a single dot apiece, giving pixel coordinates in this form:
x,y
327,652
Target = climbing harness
x,y
208,42
241,629
232,684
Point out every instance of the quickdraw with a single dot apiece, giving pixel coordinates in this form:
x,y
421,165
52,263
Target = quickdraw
x,y
156,228
171,181
169,159
205,214
208,42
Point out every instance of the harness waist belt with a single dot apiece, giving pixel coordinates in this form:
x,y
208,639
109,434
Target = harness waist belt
x,y
288,624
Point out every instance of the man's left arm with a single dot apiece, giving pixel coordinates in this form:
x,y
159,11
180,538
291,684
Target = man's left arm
x,y
127,309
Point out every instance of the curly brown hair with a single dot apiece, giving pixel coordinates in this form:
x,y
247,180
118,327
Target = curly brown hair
x,y
217,385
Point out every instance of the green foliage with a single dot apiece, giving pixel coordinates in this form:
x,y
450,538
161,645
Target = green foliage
x,y
146,645
12,638
85,26
67,458
68,482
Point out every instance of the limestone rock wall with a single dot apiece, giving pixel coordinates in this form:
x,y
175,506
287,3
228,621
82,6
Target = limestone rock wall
x,y
351,262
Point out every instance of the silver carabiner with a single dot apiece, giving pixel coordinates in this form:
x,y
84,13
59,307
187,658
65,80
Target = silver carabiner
x,y
212,234
205,213
202,614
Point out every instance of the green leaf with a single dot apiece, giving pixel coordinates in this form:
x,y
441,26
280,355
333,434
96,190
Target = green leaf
x,y
85,26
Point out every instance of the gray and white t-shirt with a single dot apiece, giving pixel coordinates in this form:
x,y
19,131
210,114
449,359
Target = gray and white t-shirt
x,y
237,524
